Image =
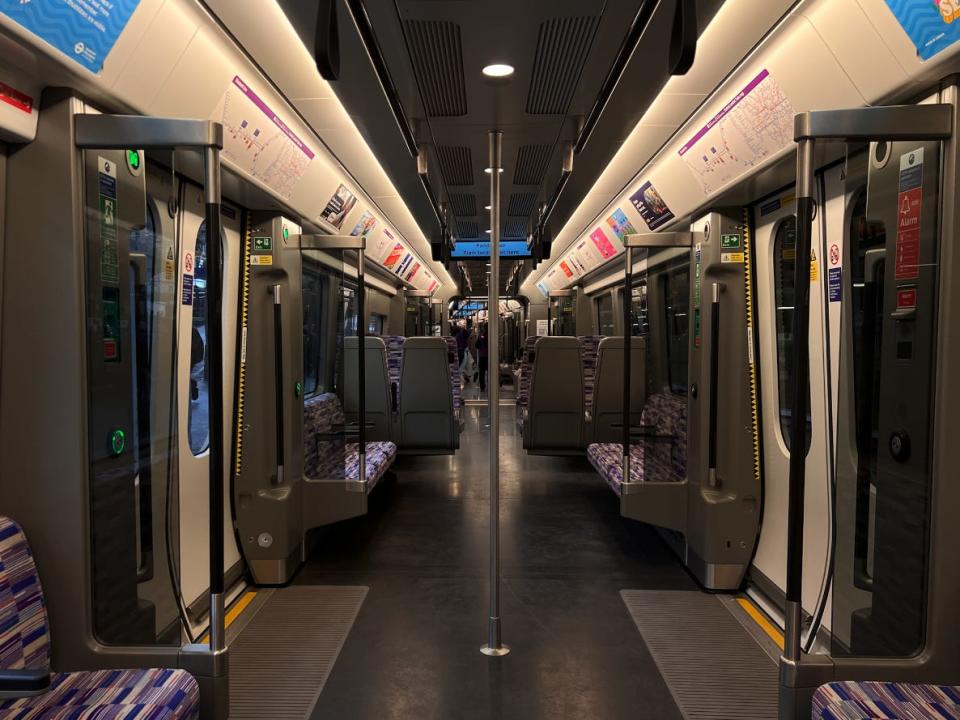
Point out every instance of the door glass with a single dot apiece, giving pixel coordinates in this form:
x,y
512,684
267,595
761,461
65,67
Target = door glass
x,y
564,314
605,314
886,391
675,284
198,422
784,267
130,308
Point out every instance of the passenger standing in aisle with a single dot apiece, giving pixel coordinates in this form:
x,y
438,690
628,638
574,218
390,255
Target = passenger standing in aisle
x,y
483,357
472,349
461,337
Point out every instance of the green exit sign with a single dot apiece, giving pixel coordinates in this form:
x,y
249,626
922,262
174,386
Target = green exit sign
x,y
730,242
262,244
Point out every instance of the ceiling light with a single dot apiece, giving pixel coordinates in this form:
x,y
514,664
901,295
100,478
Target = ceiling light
x,y
487,207
489,171
498,70
487,232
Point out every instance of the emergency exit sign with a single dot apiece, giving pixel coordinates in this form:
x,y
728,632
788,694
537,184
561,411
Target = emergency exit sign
x,y
730,242
262,244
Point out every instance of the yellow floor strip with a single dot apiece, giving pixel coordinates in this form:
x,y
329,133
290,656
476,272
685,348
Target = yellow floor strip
x,y
238,607
760,619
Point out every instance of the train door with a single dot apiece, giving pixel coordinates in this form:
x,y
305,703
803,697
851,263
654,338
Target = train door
x,y
775,258
192,387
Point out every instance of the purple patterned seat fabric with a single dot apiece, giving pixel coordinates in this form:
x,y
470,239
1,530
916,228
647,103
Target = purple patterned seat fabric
x,y
454,372
526,370
659,458
24,637
333,460
589,351
885,701
394,345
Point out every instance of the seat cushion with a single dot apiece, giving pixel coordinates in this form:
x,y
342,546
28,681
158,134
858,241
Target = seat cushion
x,y
666,414
343,463
455,387
394,344
885,701
526,370
645,464
128,694
589,351
24,630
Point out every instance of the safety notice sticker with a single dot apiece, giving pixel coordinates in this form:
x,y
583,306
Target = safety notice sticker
x,y
84,31
109,255
909,202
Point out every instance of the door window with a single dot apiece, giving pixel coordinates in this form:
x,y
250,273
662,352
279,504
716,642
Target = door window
x,y
605,314
676,305
198,415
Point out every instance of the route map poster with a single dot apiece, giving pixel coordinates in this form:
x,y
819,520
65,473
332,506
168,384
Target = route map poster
x,y
258,140
755,124
932,25
653,210
85,32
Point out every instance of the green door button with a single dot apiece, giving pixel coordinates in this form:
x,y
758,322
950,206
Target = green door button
x,y
298,389
118,441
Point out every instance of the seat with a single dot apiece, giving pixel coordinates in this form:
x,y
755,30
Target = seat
x,y
555,419
848,700
606,410
659,455
427,420
455,387
394,345
526,368
24,636
589,352
379,403
329,458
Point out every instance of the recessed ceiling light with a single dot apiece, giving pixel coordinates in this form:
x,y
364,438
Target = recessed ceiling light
x,y
487,207
498,70
489,170
487,232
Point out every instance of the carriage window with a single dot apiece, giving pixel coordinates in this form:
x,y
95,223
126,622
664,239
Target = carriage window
x,y
784,263
314,293
605,314
198,414
676,304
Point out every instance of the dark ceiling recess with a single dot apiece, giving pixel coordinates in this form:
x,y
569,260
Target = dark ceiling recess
x,y
514,229
456,164
464,204
532,162
521,204
436,54
563,45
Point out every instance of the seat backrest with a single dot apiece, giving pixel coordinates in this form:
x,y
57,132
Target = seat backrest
x,y
526,369
555,409
608,393
666,413
378,397
589,349
453,357
427,418
320,413
24,628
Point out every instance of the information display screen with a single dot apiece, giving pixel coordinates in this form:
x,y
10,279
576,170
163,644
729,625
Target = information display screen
x,y
508,248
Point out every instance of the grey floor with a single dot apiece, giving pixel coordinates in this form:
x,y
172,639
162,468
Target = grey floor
x,y
566,553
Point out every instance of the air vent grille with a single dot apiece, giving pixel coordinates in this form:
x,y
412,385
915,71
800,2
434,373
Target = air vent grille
x,y
563,45
532,161
456,164
521,204
463,204
514,229
437,58
468,229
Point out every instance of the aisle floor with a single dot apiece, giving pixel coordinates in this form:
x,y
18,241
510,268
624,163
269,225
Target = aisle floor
x,y
414,651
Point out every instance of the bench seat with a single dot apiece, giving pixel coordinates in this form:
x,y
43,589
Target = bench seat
x,y
849,700
607,459
136,694
337,460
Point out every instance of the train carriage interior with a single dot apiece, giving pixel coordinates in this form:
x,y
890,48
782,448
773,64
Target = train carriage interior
x,y
417,359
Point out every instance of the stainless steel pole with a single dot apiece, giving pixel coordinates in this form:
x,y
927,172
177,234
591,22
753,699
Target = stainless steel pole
x,y
494,646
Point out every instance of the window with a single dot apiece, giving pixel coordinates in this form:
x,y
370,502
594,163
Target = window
x,y
198,414
605,314
348,298
377,323
314,293
784,264
676,304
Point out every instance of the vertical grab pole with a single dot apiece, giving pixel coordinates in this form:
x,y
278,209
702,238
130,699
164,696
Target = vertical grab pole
x,y
627,342
278,376
494,646
211,160
362,368
799,398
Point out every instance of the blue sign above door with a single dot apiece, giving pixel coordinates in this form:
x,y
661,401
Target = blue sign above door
x,y
83,31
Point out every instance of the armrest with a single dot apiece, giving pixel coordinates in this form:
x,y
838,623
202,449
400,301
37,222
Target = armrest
x,y
24,682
